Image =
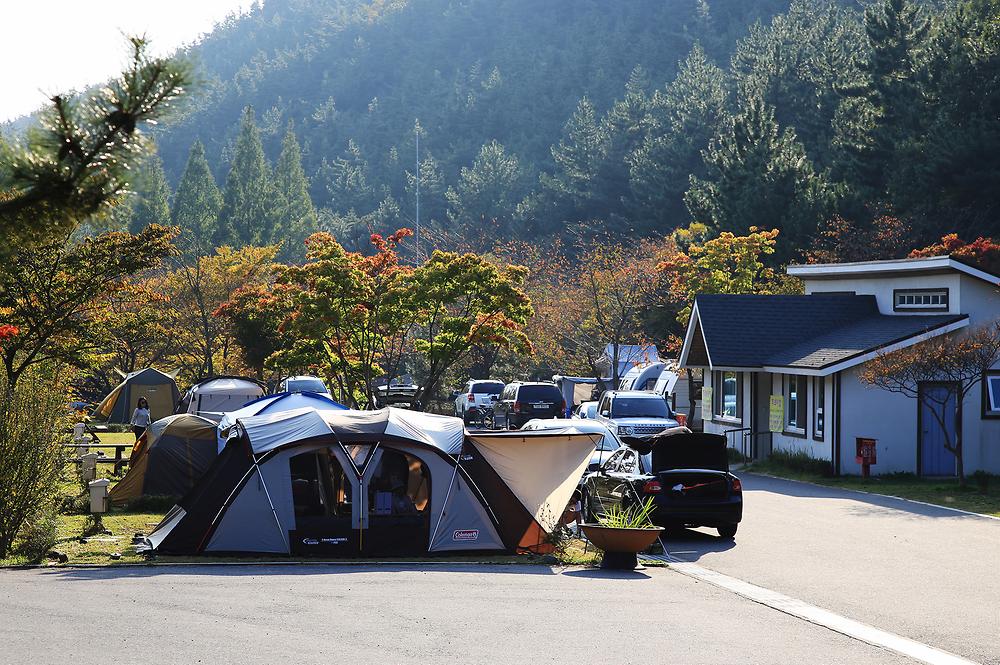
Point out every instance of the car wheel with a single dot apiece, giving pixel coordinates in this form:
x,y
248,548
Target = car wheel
x,y
728,531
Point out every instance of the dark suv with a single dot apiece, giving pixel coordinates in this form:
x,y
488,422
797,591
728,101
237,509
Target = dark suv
x,y
522,400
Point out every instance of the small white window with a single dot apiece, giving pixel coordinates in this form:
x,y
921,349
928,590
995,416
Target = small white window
x,y
921,299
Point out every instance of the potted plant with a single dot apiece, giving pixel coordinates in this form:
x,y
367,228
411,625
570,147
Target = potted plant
x,y
622,533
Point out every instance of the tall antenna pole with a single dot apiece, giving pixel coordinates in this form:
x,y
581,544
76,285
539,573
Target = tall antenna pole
x,y
417,130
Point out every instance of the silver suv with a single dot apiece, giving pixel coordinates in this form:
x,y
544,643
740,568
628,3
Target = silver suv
x,y
635,412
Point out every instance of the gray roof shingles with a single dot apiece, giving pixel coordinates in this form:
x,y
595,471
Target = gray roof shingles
x,y
809,332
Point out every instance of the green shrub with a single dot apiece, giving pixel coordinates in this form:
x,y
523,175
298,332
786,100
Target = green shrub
x,y
735,457
38,534
33,424
800,461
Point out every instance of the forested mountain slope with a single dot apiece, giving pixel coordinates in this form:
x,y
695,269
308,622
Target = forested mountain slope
x,y
539,117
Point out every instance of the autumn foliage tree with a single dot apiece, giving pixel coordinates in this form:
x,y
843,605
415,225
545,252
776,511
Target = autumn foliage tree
x,y
982,252
56,294
958,363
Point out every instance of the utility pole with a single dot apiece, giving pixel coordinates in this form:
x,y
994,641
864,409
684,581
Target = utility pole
x,y
417,238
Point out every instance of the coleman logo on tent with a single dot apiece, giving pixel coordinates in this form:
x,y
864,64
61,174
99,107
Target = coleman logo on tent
x,y
465,534
465,458
310,541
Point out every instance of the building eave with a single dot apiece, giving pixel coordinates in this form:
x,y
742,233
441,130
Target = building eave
x,y
924,265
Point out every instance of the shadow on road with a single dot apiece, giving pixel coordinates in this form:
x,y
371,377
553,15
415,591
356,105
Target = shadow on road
x,y
598,573
241,569
690,545
868,503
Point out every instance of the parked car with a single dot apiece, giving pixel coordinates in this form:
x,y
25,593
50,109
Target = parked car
x,y
522,401
635,412
585,410
609,441
302,384
687,474
477,394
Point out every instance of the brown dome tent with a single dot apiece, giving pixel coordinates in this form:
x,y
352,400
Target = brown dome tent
x,y
169,458
393,481
159,389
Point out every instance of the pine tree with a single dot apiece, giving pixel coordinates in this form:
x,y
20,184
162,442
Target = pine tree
x,y
683,117
759,176
197,203
885,109
347,181
577,156
623,130
250,204
297,218
152,197
488,193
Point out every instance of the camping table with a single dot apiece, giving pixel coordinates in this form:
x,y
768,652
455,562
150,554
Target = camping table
x,y
119,460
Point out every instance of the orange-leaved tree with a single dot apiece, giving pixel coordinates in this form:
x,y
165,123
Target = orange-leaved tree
x,y
982,252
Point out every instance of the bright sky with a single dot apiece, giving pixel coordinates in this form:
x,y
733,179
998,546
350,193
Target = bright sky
x,y
50,46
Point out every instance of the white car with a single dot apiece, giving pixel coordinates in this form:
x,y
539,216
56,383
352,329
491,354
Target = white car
x,y
609,442
303,384
477,394
635,412
586,410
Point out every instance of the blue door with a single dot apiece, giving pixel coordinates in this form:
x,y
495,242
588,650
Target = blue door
x,y
935,459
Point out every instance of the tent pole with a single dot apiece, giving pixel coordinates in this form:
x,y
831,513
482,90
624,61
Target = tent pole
x,y
437,525
274,512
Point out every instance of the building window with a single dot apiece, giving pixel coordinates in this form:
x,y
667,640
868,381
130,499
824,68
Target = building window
x,y
922,300
819,407
795,403
991,400
728,392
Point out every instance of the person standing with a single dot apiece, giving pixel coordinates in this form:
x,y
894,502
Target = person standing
x,y
140,417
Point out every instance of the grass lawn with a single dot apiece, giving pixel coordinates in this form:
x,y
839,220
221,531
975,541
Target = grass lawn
x,y
939,491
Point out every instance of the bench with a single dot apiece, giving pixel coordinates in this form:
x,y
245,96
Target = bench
x,y
119,460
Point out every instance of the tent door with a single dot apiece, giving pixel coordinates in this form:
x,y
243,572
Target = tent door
x,y
397,506
324,488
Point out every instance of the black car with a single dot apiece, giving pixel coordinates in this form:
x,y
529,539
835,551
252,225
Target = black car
x,y
522,401
686,473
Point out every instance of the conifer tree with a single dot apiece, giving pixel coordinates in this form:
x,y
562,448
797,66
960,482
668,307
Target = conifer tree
x,y
197,204
684,117
759,176
577,156
297,218
152,197
347,181
487,194
249,204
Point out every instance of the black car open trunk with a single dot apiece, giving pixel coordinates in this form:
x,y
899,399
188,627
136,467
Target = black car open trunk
x,y
691,466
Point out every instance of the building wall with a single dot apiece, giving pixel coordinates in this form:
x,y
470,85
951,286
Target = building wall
x,y
889,418
819,447
882,288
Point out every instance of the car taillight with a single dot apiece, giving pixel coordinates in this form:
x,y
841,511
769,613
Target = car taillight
x,y
737,485
652,487
517,407
472,398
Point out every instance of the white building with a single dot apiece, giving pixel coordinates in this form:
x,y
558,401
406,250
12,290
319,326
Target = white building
x,y
805,351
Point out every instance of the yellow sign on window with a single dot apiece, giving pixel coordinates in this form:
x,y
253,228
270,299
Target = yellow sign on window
x,y
706,403
776,414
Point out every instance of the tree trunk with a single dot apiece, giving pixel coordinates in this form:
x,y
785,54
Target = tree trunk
x,y
959,399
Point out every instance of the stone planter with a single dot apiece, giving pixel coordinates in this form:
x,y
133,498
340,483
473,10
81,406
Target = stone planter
x,y
620,546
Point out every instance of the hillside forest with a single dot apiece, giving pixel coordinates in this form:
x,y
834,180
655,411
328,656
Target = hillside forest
x,y
585,169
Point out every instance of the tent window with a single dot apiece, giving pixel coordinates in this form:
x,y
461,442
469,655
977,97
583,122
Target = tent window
x,y
319,486
400,485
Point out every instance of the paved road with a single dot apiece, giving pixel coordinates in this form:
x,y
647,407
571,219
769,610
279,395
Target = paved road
x,y
452,613
923,572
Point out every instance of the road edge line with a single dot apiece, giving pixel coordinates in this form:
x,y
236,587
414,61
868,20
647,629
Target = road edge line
x,y
818,616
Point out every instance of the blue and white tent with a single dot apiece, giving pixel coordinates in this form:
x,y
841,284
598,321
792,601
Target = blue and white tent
x,y
275,404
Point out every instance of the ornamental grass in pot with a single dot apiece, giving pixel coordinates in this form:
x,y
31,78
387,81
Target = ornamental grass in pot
x,y
622,533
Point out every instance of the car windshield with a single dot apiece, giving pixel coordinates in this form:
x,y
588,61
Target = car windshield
x,y
310,385
539,394
640,407
487,388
